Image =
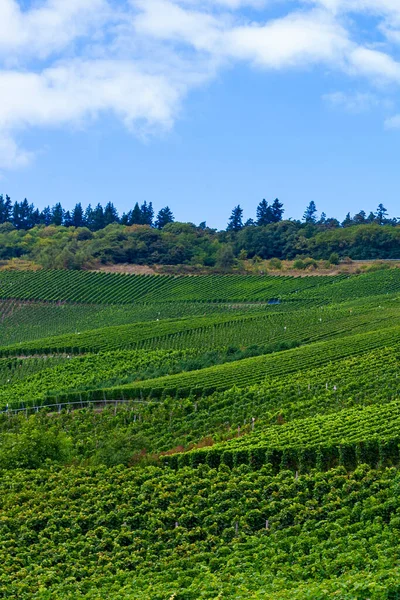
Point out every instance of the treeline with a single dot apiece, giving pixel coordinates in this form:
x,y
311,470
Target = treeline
x,y
55,238
23,215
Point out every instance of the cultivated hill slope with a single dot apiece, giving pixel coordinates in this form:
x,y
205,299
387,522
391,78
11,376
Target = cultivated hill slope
x,y
199,437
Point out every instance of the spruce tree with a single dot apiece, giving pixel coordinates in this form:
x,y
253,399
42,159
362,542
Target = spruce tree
x,y
45,216
88,221
147,213
98,218
2,209
164,217
68,219
77,217
110,214
310,213
277,211
57,215
235,222
15,218
136,215
264,214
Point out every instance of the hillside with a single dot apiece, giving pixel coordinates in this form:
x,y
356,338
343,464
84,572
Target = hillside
x,y
180,247
216,436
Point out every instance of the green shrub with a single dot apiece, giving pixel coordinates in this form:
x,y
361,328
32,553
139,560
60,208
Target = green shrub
x,y
299,264
334,258
275,263
31,448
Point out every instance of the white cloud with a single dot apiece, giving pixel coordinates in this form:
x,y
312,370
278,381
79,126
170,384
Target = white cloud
x,y
299,39
64,63
375,64
358,102
12,157
51,27
78,90
393,122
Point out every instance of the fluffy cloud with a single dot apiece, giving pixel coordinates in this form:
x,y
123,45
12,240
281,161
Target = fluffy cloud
x,y
65,63
49,28
11,156
67,93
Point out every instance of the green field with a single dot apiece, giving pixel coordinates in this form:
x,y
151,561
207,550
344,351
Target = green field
x,y
217,437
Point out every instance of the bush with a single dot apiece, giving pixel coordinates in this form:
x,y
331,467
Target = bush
x,y
334,258
31,448
275,263
299,264
121,449
310,263
225,257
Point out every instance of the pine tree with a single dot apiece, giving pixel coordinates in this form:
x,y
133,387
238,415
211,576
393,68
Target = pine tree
x,y
7,208
68,219
164,217
264,214
126,218
77,216
360,218
35,216
310,213
45,216
277,211
235,222
88,221
15,218
98,218
381,214
110,214
348,221
57,215
147,213
2,209
25,214
136,215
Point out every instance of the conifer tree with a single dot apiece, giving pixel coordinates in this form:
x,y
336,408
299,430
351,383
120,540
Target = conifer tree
x,y
310,213
277,211
164,217
77,217
110,214
235,222
57,215
263,214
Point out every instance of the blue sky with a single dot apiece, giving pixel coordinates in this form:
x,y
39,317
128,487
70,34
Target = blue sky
x,y
201,104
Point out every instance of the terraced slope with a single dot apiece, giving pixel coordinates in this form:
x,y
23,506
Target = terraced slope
x,y
108,288
199,533
224,448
